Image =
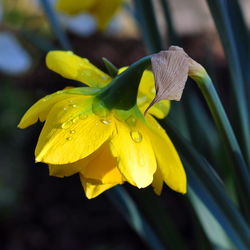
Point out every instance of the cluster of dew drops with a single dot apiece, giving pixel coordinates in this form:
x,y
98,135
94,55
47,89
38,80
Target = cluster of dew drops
x,y
135,135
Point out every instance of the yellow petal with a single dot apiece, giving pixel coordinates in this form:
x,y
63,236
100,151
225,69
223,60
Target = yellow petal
x,y
68,169
76,68
102,166
93,188
168,160
157,182
103,11
73,7
71,132
135,156
42,107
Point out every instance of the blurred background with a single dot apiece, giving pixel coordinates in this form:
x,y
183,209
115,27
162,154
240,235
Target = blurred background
x,y
42,212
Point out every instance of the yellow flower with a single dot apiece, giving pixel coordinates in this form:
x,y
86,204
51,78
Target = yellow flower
x,y
106,147
102,10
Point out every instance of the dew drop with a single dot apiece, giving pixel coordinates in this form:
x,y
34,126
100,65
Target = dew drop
x,y
69,138
73,105
83,116
72,131
46,98
65,108
136,136
131,120
104,77
106,122
66,125
70,101
75,120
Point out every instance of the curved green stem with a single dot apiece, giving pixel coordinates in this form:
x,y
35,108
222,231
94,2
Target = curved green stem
x,y
241,172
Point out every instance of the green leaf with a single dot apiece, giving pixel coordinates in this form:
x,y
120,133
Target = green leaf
x,y
121,199
145,15
209,188
212,228
221,15
112,70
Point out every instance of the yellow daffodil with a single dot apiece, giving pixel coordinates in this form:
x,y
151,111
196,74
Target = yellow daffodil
x,y
105,146
102,10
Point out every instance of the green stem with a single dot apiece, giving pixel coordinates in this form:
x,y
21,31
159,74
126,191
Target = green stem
x,y
121,93
147,21
241,172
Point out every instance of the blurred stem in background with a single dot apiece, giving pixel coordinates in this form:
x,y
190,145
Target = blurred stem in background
x,y
220,10
145,15
56,27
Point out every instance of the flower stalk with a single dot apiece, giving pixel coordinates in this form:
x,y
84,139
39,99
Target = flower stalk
x,y
241,172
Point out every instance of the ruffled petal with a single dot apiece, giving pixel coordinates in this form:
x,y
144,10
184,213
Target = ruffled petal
x,y
135,156
71,132
157,182
93,188
66,170
76,68
102,166
168,160
42,107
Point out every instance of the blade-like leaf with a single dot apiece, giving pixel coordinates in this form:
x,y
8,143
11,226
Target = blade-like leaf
x,y
220,13
129,210
209,188
145,15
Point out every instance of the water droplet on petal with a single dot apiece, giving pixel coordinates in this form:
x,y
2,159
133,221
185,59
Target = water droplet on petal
x,y
75,120
131,120
72,131
70,101
83,116
46,98
152,90
69,138
66,125
104,77
136,136
65,108
73,105
106,122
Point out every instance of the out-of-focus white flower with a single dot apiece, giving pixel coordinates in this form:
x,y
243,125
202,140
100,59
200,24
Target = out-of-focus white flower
x,y
13,58
81,24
